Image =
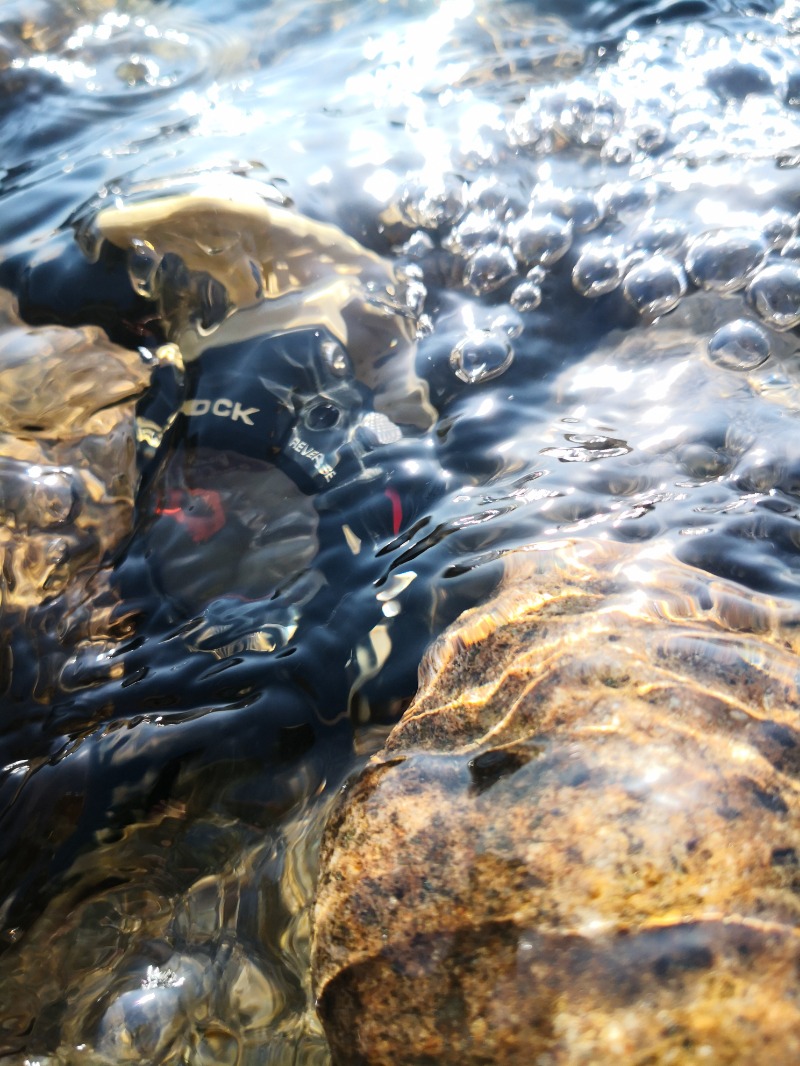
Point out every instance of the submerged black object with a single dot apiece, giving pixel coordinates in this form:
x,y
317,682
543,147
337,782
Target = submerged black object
x,y
297,347
290,399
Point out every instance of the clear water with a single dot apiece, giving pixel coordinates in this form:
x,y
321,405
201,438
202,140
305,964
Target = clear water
x,y
598,203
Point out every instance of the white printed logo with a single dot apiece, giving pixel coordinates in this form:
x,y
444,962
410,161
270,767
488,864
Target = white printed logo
x,y
315,457
222,408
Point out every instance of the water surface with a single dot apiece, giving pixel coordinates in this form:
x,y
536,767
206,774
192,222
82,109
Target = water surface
x,y
594,208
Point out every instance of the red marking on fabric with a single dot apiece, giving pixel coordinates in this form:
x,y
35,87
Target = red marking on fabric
x,y
201,521
397,509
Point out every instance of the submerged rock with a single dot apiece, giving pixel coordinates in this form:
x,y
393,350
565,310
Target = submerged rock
x,y
67,458
581,843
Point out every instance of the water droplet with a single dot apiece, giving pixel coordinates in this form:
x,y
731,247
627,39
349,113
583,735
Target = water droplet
x,y
703,462
775,294
739,345
480,356
723,260
654,286
490,268
541,239
526,296
597,271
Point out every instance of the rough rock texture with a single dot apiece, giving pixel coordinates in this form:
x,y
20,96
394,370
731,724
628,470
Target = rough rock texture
x,y
581,845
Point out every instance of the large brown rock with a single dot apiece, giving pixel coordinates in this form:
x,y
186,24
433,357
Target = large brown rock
x,y
581,845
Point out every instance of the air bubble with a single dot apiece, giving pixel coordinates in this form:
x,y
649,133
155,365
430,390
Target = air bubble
x,y
488,195
583,210
143,262
541,239
659,238
143,1025
479,151
740,345
618,150
654,286
490,268
589,121
502,319
411,291
527,296
138,71
51,499
775,294
418,247
535,125
650,133
597,271
724,260
434,203
474,231
778,229
480,356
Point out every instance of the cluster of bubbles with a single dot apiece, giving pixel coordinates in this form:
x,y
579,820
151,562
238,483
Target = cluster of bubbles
x,y
530,210
510,249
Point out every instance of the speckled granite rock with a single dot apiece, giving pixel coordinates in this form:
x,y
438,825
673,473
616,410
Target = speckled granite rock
x,y
581,845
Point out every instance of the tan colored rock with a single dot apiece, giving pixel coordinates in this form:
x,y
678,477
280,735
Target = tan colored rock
x,y
67,458
581,845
